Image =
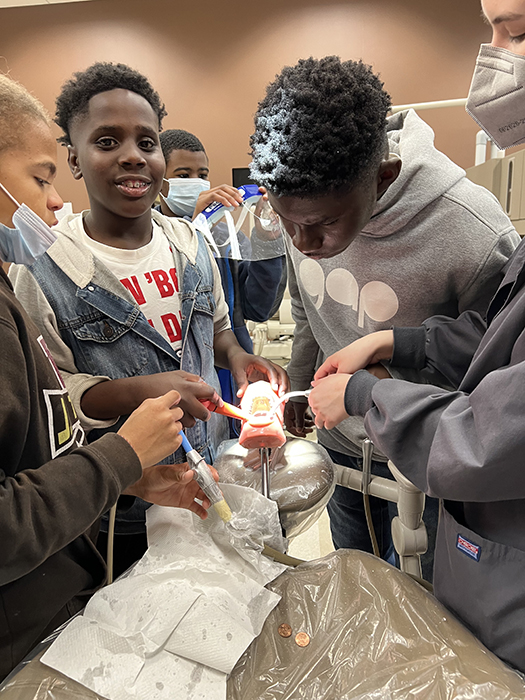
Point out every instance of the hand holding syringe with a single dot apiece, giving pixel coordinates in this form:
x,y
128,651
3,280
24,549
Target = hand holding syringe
x,y
204,478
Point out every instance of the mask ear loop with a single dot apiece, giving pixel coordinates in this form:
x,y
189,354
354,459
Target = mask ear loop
x,y
9,195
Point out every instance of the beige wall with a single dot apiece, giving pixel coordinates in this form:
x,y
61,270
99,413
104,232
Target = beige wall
x,y
211,60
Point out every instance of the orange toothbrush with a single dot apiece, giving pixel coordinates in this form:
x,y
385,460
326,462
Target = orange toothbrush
x,y
225,409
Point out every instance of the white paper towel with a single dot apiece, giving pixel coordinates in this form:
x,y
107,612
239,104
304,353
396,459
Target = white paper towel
x,y
177,623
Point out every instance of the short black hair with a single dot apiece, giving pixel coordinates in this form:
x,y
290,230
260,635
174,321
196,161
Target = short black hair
x,y
179,140
321,127
101,77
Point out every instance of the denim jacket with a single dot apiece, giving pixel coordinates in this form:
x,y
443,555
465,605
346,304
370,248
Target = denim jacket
x,y
107,333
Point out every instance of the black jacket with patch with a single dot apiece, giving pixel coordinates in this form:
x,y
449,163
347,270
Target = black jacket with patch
x,y
52,490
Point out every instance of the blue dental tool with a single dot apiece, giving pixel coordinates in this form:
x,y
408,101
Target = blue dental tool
x,y
204,478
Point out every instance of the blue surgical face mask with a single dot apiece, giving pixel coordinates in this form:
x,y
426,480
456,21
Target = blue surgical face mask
x,y
183,194
28,240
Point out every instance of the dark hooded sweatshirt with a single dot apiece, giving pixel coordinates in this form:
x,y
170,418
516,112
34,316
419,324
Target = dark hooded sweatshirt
x,y
52,490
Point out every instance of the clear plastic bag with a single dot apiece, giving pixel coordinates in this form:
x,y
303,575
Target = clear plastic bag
x,y
372,633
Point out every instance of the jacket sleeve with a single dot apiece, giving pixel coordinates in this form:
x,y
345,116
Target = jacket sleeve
x,y
305,349
452,445
37,307
441,349
484,282
258,286
44,509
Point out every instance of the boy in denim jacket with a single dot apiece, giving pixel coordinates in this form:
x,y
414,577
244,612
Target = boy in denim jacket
x,y
129,301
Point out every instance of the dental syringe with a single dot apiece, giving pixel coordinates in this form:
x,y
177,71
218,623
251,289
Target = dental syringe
x,y
204,478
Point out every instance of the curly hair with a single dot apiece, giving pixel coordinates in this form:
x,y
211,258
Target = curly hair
x,y
74,97
179,140
321,127
17,108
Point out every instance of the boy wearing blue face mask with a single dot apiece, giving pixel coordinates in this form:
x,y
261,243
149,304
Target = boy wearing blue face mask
x,y
130,302
253,288
464,446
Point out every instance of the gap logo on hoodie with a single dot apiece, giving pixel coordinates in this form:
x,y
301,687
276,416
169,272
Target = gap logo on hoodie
x,y
376,299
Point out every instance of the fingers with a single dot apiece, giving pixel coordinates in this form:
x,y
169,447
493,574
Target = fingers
x,y
188,421
329,366
214,472
201,390
195,399
169,399
284,381
297,421
225,194
198,509
271,375
296,432
177,413
327,400
193,408
290,418
242,387
275,374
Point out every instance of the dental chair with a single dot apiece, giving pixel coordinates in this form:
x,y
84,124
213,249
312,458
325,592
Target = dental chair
x,y
349,626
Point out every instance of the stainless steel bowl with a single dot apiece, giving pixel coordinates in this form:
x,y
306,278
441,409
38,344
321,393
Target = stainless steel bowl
x,y
302,478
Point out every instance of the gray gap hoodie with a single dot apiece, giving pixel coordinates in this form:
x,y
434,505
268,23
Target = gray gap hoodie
x,y
436,244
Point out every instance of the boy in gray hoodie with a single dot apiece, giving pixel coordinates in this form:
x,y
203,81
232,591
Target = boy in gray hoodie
x,y
383,230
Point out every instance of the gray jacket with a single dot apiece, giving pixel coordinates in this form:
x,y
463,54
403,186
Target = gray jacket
x,y
436,244
468,447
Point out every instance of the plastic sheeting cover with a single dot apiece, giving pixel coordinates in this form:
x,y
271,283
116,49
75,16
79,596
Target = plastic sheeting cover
x,y
374,634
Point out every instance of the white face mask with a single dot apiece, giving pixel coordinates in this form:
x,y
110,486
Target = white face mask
x,y
28,240
496,98
183,194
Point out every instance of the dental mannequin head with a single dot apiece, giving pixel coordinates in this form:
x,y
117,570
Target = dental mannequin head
x,y
320,148
28,154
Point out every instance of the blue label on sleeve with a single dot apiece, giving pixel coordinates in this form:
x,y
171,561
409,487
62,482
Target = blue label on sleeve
x,y
469,548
